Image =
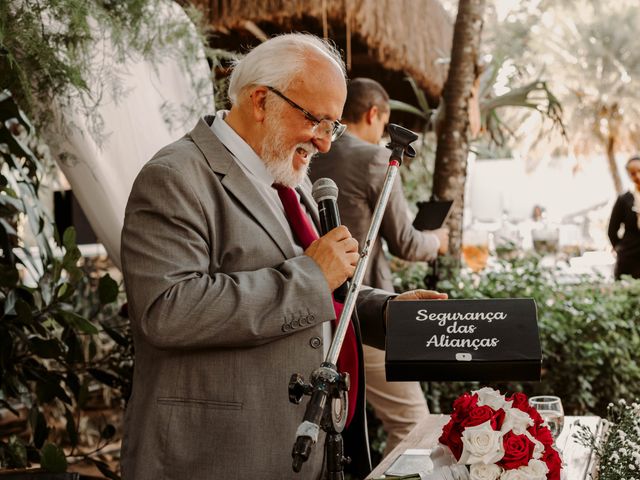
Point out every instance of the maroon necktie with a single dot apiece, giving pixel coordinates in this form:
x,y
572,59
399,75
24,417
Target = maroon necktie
x,y
305,235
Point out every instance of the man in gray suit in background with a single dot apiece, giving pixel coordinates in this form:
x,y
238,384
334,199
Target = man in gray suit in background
x,y
358,166
227,297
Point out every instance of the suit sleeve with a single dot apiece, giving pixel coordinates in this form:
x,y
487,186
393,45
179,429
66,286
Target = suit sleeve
x,y
616,219
396,228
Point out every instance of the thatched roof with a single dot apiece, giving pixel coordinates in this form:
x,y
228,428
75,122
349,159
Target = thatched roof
x,y
402,35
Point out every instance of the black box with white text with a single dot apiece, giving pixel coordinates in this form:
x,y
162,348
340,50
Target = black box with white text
x,y
463,340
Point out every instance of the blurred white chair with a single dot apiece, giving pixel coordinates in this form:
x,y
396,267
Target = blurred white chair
x,y
152,105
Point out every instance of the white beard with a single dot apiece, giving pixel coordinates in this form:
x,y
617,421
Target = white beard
x,y
279,162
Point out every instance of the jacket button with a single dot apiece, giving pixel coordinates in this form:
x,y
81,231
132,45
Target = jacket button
x,y
295,323
286,327
315,342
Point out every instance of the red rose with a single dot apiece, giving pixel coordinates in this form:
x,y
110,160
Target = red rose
x,y
498,418
452,438
542,434
520,401
462,405
518,450
479,415
552,458
533,413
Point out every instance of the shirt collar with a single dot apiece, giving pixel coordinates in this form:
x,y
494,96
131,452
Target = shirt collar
x,y
243,153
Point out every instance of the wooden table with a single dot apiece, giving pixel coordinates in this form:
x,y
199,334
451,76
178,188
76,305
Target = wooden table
x,y
578,460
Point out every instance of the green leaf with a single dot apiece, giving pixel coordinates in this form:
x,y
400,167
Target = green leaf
x,y
52,459
8,275
71,427
8,228
72,253
69,239
12,201
116,336
45,348
45,290
48,387
23,311
107,289
74,348
38,426
84,393
420,96
406,107
64,291
105,377
70,262
10,303
78,322
73,382
93,350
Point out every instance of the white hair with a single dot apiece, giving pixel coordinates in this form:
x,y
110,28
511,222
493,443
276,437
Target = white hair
x,y
277,61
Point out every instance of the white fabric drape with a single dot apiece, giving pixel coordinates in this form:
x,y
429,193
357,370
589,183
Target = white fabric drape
x,y
101,171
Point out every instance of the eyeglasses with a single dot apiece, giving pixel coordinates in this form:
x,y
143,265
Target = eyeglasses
x,y
323,127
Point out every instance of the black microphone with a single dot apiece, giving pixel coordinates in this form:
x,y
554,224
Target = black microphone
x,y
325,193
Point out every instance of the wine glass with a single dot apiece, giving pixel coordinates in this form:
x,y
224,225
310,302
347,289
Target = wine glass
x,y
551,411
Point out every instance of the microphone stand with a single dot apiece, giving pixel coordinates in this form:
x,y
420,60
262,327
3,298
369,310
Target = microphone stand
x,y
327,407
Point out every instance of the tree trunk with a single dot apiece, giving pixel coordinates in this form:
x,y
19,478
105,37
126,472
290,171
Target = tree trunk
x,y
613,166
453,144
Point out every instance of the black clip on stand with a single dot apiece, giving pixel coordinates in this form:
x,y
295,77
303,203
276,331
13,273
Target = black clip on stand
x,y
327,407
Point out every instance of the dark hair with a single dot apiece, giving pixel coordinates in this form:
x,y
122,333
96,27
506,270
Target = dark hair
x,y
362,94
632,159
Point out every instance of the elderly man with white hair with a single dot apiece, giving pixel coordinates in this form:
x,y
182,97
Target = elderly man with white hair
x,y
230,285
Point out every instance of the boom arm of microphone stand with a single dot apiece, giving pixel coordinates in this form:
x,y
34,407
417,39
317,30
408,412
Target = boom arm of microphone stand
x,y
307,431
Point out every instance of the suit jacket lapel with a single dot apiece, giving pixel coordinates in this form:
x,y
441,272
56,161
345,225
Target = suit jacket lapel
x,y
238,184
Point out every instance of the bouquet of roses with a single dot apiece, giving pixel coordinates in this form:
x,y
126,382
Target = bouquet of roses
x,y
500,438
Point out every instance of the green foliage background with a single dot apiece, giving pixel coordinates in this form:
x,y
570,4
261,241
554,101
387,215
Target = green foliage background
x,y
589,331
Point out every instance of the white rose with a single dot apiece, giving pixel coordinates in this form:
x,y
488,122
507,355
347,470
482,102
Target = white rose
x,y
481,444
538,449
480,471
538,446
516,474
492,398
537,469
516,420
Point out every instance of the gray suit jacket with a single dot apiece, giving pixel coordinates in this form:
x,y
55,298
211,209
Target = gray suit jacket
x,y
222,314
359,168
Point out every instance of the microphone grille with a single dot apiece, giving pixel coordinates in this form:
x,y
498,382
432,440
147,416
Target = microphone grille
x,y
324,189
